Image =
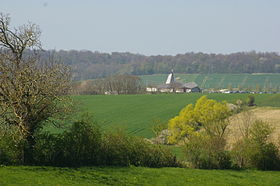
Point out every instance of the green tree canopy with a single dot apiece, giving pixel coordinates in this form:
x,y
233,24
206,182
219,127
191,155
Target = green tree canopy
x,y
207,115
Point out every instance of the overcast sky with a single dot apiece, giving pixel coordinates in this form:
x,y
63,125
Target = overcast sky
x,y
152,27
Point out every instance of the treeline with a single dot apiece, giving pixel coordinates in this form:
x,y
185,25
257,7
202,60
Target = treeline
x,y
91,65
117,84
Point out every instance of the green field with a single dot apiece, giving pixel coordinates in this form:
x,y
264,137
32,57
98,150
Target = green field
x,y
137,113
267,82
24,175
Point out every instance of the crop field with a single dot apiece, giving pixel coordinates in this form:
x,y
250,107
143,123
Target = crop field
x,y
24,175
138,113
265,82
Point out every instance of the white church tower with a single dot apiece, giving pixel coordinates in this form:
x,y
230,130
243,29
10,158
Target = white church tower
x,y
170,79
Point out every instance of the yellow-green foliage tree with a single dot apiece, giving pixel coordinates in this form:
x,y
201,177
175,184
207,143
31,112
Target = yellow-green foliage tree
x,y
206,114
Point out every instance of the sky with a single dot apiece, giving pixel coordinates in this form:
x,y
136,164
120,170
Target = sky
x,y
152,27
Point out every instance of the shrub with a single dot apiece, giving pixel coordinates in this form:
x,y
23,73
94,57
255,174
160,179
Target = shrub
x,y
250,101
240,154
265,157
203,127
207,152
84,145
78,146
49,149
206,114
123,150
11,145
255,150
158,127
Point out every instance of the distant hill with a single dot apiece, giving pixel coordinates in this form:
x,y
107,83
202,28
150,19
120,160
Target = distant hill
x,y
91,65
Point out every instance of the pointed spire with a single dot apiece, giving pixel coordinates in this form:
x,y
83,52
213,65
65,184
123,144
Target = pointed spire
x,y
170,79
173,77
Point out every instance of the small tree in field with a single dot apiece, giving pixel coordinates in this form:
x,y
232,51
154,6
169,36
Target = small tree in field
x,y
30,89
206,114
202,127
251,101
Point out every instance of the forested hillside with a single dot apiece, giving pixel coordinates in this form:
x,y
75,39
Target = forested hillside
x,y
90,65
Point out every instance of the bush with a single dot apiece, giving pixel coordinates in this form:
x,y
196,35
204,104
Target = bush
x,y
121,149
251,101
158,127
206,114
77,147
85,145
11,145
265,157
49,149
207,152
82,144
255,150
240,154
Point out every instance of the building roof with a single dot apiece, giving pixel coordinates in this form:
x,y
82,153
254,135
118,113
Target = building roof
x,y
171,83
190,85
179,85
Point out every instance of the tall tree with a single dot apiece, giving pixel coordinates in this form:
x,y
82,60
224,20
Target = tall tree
x,y
207,114
30,89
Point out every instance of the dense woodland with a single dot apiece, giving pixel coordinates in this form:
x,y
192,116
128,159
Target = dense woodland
x,y
91,65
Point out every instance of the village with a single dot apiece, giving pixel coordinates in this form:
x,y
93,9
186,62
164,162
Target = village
x,y
172,85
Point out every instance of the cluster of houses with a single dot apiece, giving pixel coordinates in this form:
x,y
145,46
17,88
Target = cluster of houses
x,y
171,85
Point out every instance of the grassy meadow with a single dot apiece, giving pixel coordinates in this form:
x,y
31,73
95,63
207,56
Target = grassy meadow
x,y
137,113
25,175
264,81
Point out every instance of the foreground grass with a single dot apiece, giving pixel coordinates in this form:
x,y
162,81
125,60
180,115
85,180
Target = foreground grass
x,y
24,175
138,113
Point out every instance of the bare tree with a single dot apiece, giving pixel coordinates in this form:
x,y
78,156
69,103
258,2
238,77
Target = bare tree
x,y
30,89
124,84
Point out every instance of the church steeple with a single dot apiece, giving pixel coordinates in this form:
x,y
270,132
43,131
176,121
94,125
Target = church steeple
x,y
170,79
